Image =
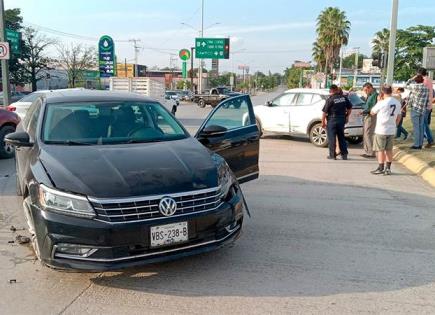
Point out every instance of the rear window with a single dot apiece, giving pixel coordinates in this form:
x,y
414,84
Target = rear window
x,y
30,97
355,100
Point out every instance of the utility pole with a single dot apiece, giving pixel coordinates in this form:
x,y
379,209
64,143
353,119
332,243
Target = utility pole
x,y
341,66
356,66
200,63
4,62
136,53
392,44
191,69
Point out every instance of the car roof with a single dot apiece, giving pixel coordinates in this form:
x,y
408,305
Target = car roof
x,y
83,95
304,90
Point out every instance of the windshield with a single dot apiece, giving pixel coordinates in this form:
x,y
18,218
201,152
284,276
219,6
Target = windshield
x,y
171,93
223,90
108,123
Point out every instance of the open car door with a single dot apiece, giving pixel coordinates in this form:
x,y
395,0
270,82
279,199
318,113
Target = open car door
x,y
231,131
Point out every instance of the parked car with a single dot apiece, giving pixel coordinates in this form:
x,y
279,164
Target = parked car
x,y
185,95
22,105
15,96
112,180
8,123
171,95
299,112
214,96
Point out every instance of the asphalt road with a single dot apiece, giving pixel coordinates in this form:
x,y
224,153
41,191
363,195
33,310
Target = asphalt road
x,y
324,237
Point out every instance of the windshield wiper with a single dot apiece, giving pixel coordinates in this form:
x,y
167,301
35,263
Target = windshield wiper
x,y
143,141
71,142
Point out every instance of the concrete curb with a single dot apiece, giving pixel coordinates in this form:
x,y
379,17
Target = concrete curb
x,y
415,165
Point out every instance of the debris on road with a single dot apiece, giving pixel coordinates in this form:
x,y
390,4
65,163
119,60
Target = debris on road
x,y
12,280
22,239
11,242
13,228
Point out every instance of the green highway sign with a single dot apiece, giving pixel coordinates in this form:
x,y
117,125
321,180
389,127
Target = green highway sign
x,y
212,48
14,39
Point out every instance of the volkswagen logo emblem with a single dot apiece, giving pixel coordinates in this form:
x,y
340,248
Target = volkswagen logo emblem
x,y
167,206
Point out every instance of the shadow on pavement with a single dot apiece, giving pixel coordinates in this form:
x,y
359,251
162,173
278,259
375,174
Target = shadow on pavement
x,y
306,238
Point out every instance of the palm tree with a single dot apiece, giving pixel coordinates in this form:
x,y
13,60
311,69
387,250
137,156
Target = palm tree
x,y
381,41
332,32
319,56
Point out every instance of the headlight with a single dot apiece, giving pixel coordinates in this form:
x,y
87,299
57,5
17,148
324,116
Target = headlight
x,y
57,201
226,180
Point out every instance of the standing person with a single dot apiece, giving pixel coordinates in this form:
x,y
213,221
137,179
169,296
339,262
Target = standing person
x,y
417,101
335,115
388,115
400,129
369,120
428,116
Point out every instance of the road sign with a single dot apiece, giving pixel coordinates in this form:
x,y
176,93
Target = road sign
x,y
212,48
4,50
184,54
90,75
14,39
429,58
106,56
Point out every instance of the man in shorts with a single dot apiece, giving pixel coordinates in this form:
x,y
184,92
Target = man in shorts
x,y
388,116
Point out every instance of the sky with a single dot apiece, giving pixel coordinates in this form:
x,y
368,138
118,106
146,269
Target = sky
x,y
266,35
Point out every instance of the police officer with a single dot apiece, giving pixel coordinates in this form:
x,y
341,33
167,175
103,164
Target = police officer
x,y
335,115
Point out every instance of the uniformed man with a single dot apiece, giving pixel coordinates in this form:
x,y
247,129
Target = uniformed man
x,y
335,115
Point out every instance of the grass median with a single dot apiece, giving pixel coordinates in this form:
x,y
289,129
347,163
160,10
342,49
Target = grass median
x,y
427,155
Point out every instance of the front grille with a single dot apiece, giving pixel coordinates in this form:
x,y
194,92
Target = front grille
x,y
147,208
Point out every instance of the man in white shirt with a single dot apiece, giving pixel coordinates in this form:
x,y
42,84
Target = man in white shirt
x,y
387,110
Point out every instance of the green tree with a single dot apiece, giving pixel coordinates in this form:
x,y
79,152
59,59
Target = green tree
x,y
14,21
349,61
332,32
220,80
381,41
409,48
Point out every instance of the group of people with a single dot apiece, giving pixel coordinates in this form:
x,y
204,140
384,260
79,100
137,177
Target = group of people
x,y
383,115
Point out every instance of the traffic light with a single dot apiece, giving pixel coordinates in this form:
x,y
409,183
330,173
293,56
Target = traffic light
x,y
227,48
379,60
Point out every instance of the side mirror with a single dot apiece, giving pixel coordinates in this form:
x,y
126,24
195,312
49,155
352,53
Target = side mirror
x,y
213,130
269,103
18,139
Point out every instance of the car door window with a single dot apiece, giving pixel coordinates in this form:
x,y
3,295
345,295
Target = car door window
x,y
31,118
316,98
284,100
231,115
304,99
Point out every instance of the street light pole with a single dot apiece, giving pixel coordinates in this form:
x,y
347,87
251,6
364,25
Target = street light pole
x,y
392,44
200,61
356,66
4,62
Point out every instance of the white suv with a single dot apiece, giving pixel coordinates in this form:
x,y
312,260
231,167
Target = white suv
x,y
299,112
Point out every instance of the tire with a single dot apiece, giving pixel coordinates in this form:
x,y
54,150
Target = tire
x,y
354,140
318,136
6,151
201,103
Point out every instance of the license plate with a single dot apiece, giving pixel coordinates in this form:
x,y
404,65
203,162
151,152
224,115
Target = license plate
x,y
169,234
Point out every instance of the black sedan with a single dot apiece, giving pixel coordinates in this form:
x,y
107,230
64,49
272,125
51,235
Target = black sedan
x,y
112,180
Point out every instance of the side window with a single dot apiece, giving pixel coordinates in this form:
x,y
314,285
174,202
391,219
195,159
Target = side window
x,y
304,99
316,98
234,113
284,100
33,116
30,113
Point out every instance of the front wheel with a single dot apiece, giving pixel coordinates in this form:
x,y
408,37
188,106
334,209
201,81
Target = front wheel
x,y
201,103
318,136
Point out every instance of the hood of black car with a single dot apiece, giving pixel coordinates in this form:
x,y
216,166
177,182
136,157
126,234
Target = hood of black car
x,y
108,171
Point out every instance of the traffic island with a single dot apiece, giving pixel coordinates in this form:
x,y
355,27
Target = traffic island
x,y
425,169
